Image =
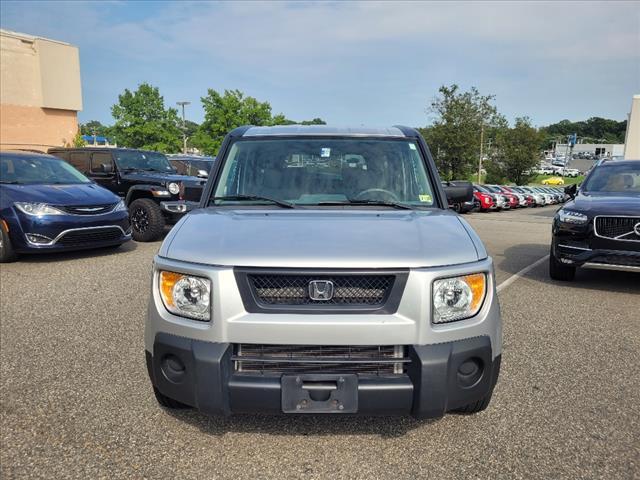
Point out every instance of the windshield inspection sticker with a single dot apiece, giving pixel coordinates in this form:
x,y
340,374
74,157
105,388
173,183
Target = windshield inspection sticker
x,y
425,198
412,146
325,152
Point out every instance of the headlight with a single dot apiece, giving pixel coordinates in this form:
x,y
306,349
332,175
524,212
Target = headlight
x,y
120,207
186,295
458,298
174,188
37,209
567,216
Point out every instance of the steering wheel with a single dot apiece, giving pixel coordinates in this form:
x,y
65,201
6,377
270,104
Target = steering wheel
x,y
388,193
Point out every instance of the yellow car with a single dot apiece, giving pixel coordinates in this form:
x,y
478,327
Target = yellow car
x,y
553,181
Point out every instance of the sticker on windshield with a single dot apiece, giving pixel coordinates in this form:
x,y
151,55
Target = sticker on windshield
x,y
412,146
425,198
325,152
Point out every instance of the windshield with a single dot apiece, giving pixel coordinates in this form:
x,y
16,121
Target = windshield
x,y
197,165
624,178
482,189
38,170
138,160
312,171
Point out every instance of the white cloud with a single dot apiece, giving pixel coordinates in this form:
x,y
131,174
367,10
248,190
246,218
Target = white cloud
x,y
344,56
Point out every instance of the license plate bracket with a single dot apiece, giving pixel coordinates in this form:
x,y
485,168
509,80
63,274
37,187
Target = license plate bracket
x,y
319,393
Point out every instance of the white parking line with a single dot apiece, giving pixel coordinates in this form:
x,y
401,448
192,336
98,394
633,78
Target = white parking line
x,y
521,273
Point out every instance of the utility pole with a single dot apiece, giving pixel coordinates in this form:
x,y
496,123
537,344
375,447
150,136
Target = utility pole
x,y
481,151
184,126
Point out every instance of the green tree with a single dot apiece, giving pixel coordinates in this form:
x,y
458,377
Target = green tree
x,y
223,113
190,127
142,121
517,153
592,130
94,127
280,119
232,109
462,118
315,121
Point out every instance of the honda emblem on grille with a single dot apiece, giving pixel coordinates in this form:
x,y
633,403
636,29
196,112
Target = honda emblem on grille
x,y
321,290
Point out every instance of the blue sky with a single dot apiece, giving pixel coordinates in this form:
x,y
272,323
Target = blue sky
x,y
372,63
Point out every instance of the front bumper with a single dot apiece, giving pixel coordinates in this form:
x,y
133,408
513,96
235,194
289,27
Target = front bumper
x,y
54,231
175,210
578,245
575,256
201,374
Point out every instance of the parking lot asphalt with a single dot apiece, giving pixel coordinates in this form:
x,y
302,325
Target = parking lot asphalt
x,y
76,401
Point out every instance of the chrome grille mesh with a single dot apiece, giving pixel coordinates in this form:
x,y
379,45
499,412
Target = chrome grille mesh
x,y
278,289
621,228
88,209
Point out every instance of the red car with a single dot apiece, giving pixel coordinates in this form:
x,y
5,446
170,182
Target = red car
x,y
529,200
511,198
486,200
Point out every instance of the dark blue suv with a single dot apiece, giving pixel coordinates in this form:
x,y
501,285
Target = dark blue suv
x,y
47,205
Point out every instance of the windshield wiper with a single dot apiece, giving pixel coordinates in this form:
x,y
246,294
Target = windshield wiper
x,y
10,182
400,206
232,198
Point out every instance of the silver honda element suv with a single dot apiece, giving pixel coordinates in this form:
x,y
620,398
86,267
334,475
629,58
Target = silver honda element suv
x,y
324,273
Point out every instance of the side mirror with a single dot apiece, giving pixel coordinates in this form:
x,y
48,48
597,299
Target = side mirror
x,y
571,190
458,191
105,168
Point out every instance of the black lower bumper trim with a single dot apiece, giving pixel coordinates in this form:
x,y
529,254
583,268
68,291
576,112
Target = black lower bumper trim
x,y
577,257
440,378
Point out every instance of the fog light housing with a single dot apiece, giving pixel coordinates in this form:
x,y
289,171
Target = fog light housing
x,y
470,372
37,239
173,368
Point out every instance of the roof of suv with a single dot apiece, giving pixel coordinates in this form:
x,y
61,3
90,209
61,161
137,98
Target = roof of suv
x,y
326,130
98,149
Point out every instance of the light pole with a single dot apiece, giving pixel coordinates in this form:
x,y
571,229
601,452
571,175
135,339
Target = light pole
x,y
481,152
184,127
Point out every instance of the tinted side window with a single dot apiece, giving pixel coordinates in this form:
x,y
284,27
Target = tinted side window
x,y
80,160
101,162
62,155
181,166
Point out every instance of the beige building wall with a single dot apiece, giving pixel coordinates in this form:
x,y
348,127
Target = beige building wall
x,y
632,138
40,92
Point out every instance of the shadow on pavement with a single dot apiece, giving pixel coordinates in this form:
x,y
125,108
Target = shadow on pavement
x,y
76,254
301,425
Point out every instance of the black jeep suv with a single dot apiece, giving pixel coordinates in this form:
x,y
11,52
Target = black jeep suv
x,y
600,226
154,193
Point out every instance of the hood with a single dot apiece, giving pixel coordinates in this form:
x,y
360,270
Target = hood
x,y
75,194
160,178
321,239
605,204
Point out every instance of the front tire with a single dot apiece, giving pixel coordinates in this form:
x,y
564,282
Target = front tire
x,y
7,254
147,221
559,271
